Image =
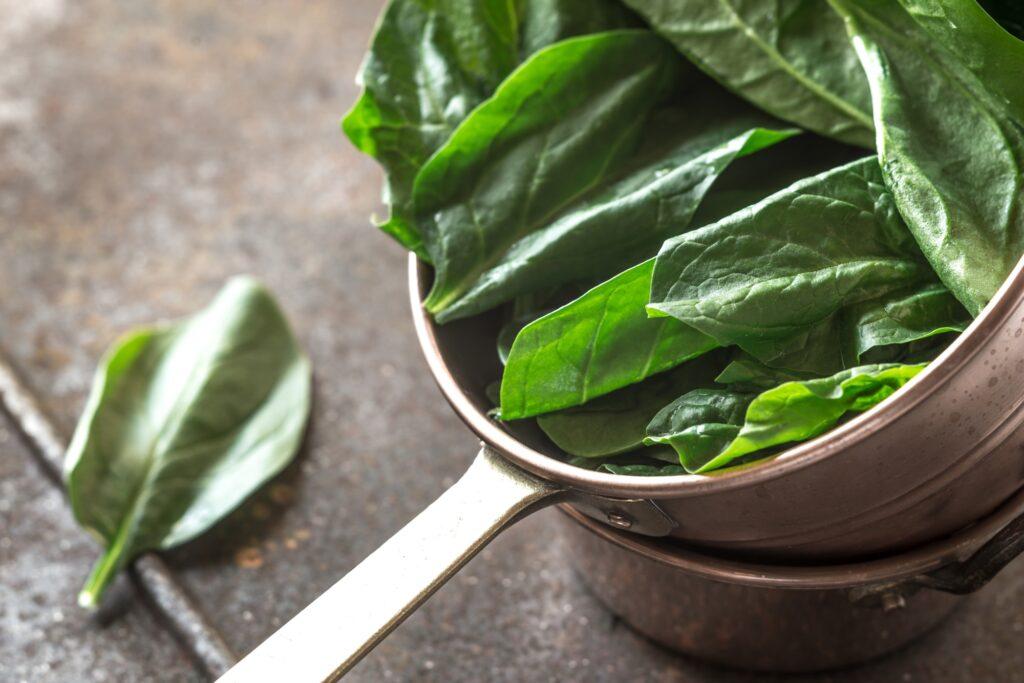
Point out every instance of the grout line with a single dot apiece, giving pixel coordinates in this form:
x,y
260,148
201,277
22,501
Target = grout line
x,y
153,576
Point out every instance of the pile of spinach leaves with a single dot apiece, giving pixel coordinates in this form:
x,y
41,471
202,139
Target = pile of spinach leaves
x,y
714,228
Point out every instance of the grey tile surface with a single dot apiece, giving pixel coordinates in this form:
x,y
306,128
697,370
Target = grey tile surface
x,y
150,150
44,635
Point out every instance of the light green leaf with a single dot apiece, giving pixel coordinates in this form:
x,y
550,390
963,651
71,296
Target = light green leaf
x,y
949,107
593,345
789,57
711,430
184,422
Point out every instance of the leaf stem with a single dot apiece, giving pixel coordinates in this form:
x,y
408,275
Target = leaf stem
x,y
104,571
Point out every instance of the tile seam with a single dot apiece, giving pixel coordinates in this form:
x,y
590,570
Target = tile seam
x,y
163,591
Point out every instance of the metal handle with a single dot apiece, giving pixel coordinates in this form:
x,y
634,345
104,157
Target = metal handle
x,y
968,576
958,578
339,628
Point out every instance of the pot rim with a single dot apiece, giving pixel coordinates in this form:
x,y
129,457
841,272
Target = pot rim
x,y
806,454
957,547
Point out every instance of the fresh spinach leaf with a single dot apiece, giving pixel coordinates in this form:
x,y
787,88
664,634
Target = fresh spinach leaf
x,y
651,197
789,57
775,278
184,422
746,374
432,61
714,429
617,422
905,317
949,107
700,424
593,345
545,22
556,128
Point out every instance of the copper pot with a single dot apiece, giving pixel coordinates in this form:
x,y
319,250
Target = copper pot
x,y
943,453
795,619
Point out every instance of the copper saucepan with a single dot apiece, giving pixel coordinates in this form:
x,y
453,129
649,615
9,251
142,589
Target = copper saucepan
x,y
943,453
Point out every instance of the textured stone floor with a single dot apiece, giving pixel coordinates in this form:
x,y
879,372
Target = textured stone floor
x,y
148,151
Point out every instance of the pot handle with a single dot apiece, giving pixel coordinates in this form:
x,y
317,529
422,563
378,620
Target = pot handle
x,y
339,628
968,576
958,578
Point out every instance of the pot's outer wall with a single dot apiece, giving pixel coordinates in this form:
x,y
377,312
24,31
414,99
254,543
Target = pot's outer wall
x,y
763,629
891,479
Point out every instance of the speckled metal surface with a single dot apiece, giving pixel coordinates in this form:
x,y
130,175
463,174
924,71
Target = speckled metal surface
x,y
150,150
44,636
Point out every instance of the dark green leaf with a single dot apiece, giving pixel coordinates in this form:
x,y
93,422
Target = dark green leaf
x,y
645,462
651,197
700,424
557,127
432,61
711,430
904,317
600,342
617,422
746,374
789,57
184,421
639,470
545,22
948,93
775,278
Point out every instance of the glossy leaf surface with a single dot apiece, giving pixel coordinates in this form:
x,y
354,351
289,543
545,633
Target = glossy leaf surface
x,y
711,430
779,278
789,57
597,343
432,61
949,106
184,422
557,127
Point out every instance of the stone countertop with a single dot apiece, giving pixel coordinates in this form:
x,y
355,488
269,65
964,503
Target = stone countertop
x,y
148,151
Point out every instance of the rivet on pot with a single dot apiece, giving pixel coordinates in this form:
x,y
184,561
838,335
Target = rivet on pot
x,y
893,601
620,520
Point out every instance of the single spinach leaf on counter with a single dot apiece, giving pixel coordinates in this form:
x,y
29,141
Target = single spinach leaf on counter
x,y
791,58
948,93
432,61
557,127
184,421
617,422
714,431
775,278
593,345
